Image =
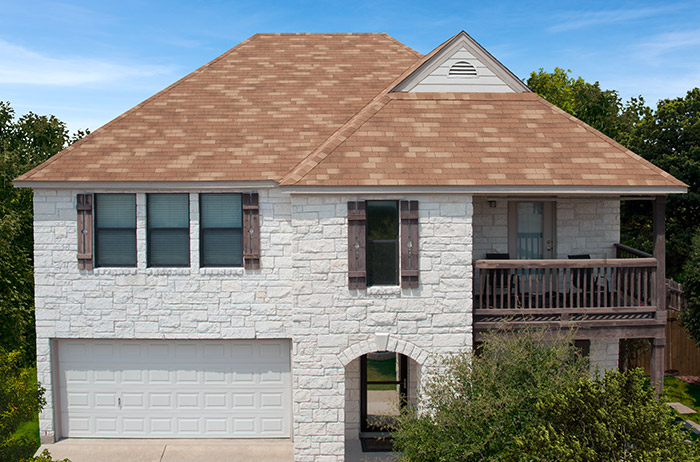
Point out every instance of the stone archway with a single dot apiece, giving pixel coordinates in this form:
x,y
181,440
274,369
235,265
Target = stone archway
x,y
417,358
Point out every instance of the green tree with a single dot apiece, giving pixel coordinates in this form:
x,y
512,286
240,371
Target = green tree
x,y
690,317
669,137
613,418
601,109
20,399
24,144
472,411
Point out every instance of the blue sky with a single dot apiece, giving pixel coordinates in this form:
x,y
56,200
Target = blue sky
x,y
88,61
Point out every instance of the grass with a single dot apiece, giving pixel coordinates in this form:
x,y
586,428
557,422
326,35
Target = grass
x,y
678,391
381,370
30,429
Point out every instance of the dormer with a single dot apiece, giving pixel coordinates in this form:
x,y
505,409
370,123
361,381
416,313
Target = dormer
x,y
461,65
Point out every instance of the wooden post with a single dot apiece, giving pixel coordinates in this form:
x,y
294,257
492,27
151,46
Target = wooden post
x,y
657,364
658,355
659,227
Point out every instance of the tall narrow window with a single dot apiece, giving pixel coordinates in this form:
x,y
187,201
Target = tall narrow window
x,y
115,229
220,235
168,230
382,243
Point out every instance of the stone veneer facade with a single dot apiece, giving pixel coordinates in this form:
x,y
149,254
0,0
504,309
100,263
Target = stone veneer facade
x,y
300,293
583,225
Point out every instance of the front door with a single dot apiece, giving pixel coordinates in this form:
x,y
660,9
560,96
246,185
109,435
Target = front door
x,y
383,389
531,230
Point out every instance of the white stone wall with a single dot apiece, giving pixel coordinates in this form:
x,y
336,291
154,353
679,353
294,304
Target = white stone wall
x,y
582,226
604,355
329,320
155,303
588,226
490,227
300,293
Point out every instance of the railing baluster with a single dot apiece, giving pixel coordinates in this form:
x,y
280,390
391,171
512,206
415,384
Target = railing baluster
x,y
500,286
647,286
508,288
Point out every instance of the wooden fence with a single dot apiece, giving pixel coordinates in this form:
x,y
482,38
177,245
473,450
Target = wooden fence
x,y
682,355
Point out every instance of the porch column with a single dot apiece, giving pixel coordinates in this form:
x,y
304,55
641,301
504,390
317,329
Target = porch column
x,y
659,344
659,227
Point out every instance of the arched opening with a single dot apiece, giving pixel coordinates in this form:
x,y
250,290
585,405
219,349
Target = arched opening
x,y
383,389
377,385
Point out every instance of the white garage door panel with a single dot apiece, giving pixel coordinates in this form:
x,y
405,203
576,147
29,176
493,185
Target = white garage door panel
x,y
143,388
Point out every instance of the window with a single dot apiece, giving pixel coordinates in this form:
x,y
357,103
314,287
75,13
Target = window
x,y
221,230
374,246
115,229
168,233
382,243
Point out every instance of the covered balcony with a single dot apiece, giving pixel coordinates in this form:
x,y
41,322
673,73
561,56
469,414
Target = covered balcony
x,y
556,263
619,292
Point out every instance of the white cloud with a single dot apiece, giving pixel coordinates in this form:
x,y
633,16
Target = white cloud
x,y
662,44
583,19
20,65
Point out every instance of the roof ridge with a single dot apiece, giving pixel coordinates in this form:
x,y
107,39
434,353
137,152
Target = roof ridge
x,y
318,155
631,154
27,175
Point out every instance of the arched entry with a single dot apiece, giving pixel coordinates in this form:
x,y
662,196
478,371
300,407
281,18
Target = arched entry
x,y
383,389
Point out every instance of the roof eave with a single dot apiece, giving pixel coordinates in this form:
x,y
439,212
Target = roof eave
x,y
583,190
146,186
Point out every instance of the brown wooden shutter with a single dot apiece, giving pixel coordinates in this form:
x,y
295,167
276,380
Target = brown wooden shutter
x,y
84,208
409,244
251,231
357,225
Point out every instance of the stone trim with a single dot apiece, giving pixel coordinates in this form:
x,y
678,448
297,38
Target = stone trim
x,y
395,345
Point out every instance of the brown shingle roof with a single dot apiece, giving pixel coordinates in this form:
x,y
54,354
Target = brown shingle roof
x,y
474,139
250,114
317,110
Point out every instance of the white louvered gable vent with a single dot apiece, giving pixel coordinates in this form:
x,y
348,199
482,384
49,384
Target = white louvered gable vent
x,y
462,69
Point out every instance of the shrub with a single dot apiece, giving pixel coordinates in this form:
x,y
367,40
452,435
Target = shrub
x,y
526,398
615,418
472,411
21,398
45,456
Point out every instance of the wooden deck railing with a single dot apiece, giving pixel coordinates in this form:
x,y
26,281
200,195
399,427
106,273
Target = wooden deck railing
x,y
625,251
597,291
675,296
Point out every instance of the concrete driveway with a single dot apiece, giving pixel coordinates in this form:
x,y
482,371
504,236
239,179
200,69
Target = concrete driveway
x,y
167,450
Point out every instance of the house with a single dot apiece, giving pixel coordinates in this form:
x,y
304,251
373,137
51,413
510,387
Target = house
x,y
248,252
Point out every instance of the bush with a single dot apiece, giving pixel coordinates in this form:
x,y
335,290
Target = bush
x,y
526,398
615,418
473,410
45,456
21,398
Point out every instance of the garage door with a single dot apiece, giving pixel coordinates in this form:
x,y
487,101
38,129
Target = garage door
x,y
189,389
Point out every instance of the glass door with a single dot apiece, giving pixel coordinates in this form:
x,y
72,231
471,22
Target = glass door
x,y
531,232
383,389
